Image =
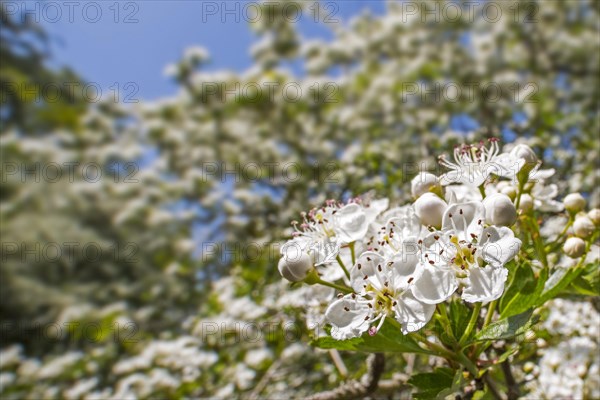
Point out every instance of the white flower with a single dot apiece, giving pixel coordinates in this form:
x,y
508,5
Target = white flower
x,y
474,164
543,196
195,55
350,223
401,223
574,202
324,230
583,227
465,253
383,288
430,209
574,247
499,210
461,194
423,183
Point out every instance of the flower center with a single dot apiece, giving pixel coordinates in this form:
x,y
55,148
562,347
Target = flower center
x,y
464,257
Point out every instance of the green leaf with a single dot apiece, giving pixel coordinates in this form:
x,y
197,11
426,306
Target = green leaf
x,y
504,356
588,282
524,291
558,281
459,317
432,383
389,339
507,328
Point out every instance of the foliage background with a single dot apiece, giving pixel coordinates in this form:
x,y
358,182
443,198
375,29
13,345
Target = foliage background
x,y
179,302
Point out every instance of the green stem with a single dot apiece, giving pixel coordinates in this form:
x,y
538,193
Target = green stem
x,y
539,244
521,188
559,239
470,365
490,313
488,318
441,350
351,245
342,289
482,191
339,260
443,316
471,324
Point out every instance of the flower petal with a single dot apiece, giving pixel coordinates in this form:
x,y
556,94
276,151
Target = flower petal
x,y
499,245
485,284
348,318
350,223
404,223
434,284
375,208
366,270
465,219
403,265
411,313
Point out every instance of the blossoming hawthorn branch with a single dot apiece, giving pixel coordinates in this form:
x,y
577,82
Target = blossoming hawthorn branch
x,y
440,276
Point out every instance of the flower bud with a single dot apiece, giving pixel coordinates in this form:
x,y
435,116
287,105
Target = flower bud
x,y
525,153
594,215
528,367
526,203
583,227
295,263
574,247
430,209
423,183
499,210
574,202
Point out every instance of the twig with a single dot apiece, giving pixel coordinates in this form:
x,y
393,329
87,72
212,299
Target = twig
x,y
260,386
352,389
511,383
339,363
492,386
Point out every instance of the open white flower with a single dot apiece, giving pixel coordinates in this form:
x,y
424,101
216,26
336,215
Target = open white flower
x,y
474,164
324,230
401,223
383,288
464,253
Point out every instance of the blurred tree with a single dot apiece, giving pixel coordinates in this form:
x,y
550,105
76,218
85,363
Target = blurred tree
x,y
34,98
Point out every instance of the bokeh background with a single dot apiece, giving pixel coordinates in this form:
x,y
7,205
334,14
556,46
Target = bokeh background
x,y
154,154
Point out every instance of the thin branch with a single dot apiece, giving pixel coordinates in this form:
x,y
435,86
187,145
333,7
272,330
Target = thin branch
x,y
367,385
492,386
511,383
260,386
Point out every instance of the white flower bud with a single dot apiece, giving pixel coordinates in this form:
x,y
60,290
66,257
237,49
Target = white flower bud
x,y
594,215
524,152
526,204
574,247
430,209
574,202
499,210
583,227
528,367
295,263
423,183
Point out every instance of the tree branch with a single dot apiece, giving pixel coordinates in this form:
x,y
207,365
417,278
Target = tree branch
x,y
511,383
369,383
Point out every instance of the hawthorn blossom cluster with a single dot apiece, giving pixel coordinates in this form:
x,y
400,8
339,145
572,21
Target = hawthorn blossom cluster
x,y
455,238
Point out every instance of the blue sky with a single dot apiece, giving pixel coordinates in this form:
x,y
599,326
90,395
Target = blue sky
x,y
111,42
